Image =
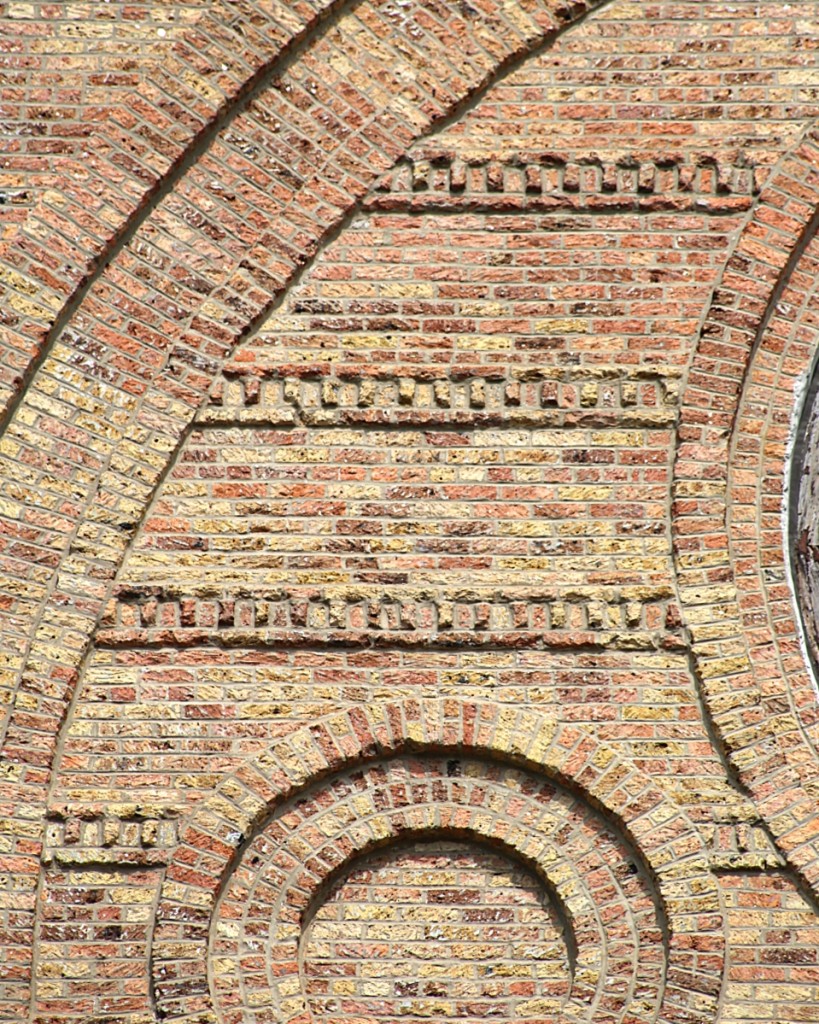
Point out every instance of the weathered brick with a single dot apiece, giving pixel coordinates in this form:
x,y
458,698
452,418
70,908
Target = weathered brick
x,y
397,619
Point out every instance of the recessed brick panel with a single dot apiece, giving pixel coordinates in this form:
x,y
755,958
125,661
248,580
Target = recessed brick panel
x,y
436,929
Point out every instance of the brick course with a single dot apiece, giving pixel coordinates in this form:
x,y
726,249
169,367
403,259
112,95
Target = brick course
x,y
400,402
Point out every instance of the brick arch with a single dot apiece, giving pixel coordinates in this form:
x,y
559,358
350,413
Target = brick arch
x,y
187,240
412,798
209,72
215,834
736,417
179,286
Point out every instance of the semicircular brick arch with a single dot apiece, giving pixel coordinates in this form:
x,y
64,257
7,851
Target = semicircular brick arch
x,y
730,477
617,938
243,166
219,832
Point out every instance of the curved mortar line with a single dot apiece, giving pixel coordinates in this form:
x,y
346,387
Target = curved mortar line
x,y
708,722
506,68
406,746
466,839
709,718
785,274
198,146
254,86
475,751
464,106
113,253
492,844
702,687
806,397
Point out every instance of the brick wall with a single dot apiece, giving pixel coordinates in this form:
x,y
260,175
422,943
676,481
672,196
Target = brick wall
x,y
64,65
396,512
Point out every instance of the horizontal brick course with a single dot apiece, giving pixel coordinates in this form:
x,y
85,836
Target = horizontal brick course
x,y
396,593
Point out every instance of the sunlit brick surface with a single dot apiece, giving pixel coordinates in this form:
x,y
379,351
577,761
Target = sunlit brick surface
x,y
587,936
397,509
438,930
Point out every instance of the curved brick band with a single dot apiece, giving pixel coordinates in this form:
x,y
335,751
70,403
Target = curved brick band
x,y
727,518
121,381
616,934
777,375
136,358
245,165
138,150
216,833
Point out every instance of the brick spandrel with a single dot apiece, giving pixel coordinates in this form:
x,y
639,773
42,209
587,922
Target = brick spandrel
x,y
396,609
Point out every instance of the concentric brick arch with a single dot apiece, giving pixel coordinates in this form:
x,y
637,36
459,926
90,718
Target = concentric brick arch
x,y
147,381
607,955
127,366
217,836
754,353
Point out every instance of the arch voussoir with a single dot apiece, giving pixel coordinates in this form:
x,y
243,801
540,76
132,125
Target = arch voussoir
x,y
161,280
197,879
746,376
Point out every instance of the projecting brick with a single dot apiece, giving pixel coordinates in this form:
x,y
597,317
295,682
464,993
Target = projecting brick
x,y
397,613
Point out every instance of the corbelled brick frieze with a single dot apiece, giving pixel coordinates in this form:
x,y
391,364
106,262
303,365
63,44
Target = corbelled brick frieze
x,y
556,181
408,516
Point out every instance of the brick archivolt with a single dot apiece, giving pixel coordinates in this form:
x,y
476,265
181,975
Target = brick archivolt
x,y
132,356
754,358
614,933
140,349
261,850
127,288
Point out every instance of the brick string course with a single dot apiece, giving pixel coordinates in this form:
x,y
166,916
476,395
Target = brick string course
x,y
398,402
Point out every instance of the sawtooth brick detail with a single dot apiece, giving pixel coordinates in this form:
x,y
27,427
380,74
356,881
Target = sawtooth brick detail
x,y
406,577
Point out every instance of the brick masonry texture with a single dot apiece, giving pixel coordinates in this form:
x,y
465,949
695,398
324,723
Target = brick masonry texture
x,y
64,64
468,902
408,516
